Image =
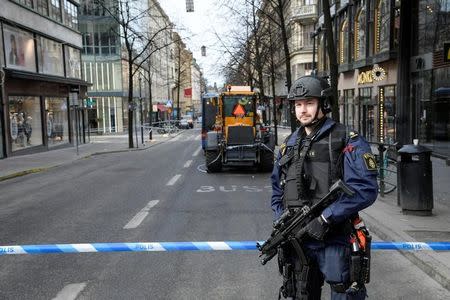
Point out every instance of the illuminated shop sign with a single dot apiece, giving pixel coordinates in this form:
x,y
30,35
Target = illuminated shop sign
x,y
376,74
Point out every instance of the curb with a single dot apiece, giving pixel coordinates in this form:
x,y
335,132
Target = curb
x,y
42,169
23,173
426,262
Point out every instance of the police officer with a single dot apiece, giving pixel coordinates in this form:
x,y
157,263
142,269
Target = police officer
x,y
310,160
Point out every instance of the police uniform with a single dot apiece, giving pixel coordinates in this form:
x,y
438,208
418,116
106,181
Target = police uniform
x,y
333,153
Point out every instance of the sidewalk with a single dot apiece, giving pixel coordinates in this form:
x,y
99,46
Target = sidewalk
x,y
16,166
384,218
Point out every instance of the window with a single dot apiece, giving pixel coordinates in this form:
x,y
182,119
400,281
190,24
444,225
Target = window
x,y
28,3
367,114
70,15
343,43
57,121
55,10
231,102
25,122
360,34
19,49
386,98
42,7
382,26
73,62
50,57
349,108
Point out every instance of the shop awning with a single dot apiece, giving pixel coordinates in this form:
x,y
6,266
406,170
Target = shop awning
x,y
43,77
161,107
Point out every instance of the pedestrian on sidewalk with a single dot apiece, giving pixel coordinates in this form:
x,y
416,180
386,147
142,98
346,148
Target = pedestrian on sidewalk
x,y
311,159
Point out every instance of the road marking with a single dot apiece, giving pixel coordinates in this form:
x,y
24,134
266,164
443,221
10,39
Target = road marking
x,y
140,216
187,164
70,291
197,151
173,180
198,137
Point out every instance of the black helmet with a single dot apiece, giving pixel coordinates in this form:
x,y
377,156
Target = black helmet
x,y
311,86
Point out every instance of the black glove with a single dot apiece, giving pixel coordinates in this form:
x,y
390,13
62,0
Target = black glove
x,y
317,228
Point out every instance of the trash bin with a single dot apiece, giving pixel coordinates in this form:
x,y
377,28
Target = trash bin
x,y
415,180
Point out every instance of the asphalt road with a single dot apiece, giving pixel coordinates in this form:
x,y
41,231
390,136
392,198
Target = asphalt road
x,y
97,200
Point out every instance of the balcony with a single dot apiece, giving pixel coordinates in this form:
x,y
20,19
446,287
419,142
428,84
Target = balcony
x,y
305,14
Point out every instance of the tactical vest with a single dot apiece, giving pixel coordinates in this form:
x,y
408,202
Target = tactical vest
x,y
322,167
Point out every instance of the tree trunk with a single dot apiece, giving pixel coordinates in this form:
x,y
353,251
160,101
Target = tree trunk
x,y
130,100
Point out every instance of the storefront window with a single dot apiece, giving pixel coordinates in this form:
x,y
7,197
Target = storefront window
x,y
349,108
57,121
73,62
1,133
19,47
50,57
367,114
25,122
386,97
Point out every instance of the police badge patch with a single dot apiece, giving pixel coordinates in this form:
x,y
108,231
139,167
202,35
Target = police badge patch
x,y
370,162
282,148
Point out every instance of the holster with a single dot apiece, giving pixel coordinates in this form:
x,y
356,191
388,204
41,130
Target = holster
x,y
360,258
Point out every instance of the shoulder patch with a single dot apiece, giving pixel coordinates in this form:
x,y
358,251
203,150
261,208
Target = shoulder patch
x,y
353,134
282,148
370,161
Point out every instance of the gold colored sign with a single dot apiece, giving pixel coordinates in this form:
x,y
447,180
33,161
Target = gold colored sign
x,y
365,77
377,74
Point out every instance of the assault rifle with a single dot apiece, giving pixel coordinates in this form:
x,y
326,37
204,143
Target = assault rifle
x,y
290,227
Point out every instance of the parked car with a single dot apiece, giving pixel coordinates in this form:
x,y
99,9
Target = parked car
x,y
184,124
189,120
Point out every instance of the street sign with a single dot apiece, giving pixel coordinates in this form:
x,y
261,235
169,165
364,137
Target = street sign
x,y
446,52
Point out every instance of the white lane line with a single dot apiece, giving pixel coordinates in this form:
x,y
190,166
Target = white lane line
x,y
187,164
173,180
197,151
198,137
70,291
140,216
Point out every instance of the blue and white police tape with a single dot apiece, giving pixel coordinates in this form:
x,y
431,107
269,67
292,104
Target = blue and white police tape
x,y
191,246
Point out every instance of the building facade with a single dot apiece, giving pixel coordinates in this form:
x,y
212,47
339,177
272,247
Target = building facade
x,y
41,80
366,38
429,69
103,68
393,69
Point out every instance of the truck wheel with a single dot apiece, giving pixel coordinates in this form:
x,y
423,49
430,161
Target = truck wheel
x,y
266,162
213,163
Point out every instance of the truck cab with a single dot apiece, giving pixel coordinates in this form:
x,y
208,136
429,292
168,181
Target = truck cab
x,y
238,137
